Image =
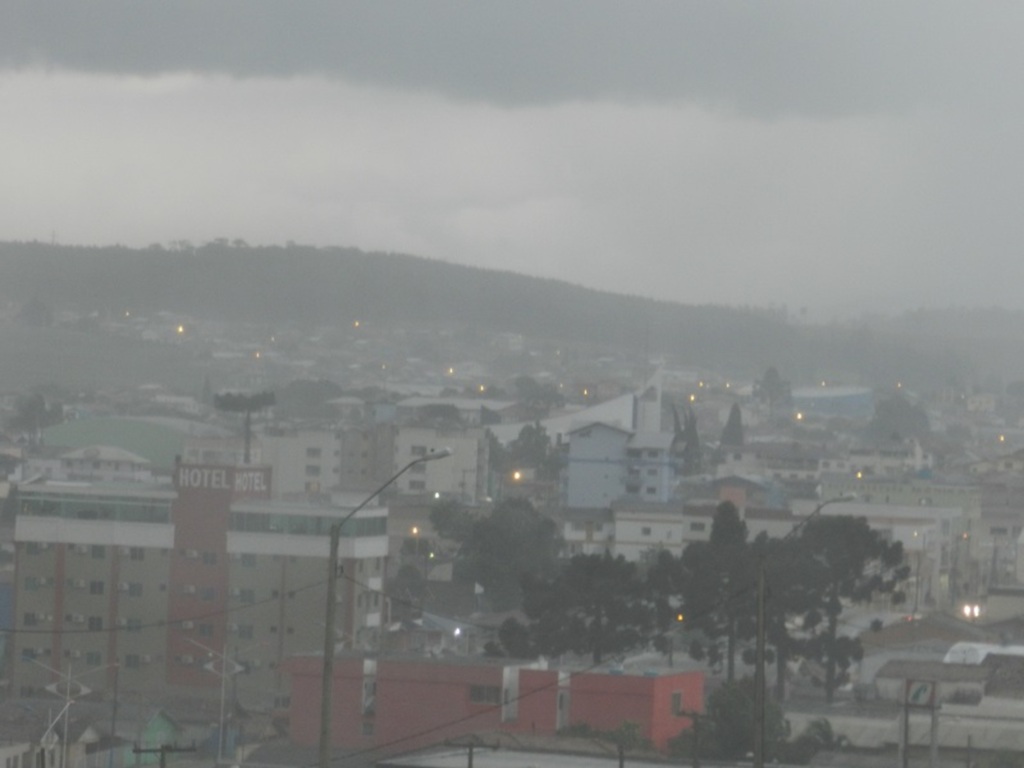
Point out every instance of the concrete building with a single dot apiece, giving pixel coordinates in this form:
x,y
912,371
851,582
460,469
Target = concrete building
x,y
163,581
463,476
304,462
95,463
413,702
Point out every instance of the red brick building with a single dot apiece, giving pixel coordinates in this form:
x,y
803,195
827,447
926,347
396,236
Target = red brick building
x,y
407,703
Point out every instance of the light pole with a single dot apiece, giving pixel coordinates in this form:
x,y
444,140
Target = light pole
x,y
223,674
56,688
760,697
332,592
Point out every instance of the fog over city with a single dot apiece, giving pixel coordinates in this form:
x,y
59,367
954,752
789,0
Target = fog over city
x,y
843,157
579,382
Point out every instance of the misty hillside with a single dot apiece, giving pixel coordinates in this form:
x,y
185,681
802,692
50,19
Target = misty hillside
x,y
310,287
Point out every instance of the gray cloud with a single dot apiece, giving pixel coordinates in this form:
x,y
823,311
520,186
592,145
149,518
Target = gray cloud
x,y
807,57
840,156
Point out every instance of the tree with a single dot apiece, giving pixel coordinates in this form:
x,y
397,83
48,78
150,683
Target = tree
x,y
773,390
451,520
499,549
730,713
33,413
247,403
533,449
664,587
540,398
849,563
718,597
732,433
594,605
790,594
686,433
896,418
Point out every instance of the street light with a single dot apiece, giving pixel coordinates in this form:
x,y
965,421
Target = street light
x,y
332,591
211,666
55,688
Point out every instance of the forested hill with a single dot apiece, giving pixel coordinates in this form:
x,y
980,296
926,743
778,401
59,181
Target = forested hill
x,y
334,286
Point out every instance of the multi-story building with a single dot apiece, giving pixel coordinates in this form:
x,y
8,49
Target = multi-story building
x,y
152,587
305,462
367,456
463,476
606,463
95,463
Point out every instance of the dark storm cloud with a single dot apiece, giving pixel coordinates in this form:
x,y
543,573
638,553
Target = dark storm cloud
x,y
761,58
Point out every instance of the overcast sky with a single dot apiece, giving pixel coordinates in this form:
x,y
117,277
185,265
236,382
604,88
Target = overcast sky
x,y
838,156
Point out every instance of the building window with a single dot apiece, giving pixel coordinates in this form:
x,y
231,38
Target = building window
x,y
131,661
677,703
645,531
135,589
247,596
650,490
312,453
245,631
206,630
417,485
134,625
32,548
93,658
312,470
697,527
209,594
31,583
209,558
95,587
485,694
138,553
249,561
99,552
367,728
30,620
95,623
418,450
652,472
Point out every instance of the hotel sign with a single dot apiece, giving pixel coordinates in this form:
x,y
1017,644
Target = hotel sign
x,y
239,481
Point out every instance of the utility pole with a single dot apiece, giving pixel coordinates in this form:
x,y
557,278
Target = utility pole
x,y
760,689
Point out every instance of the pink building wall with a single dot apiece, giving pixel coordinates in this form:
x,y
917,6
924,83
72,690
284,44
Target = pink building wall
x,y
421,702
